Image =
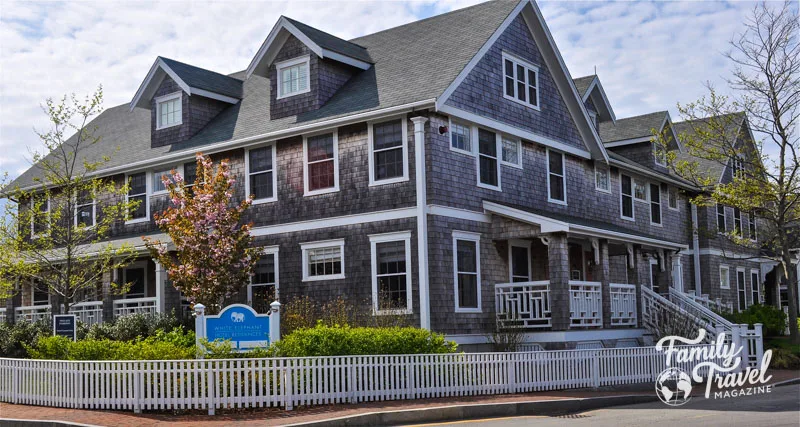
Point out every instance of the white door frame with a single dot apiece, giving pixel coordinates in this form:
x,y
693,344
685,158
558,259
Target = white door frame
x,y
677,274
525,244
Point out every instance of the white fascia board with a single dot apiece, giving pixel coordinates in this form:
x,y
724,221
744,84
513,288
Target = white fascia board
x,y
596,85
153,78
547,225
625,237
631,141
212,95
345,59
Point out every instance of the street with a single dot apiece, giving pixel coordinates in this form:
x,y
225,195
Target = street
x,y
781,407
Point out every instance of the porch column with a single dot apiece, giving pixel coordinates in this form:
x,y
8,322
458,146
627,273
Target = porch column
x,y
601,272
161,278
634,255
558,256
108,296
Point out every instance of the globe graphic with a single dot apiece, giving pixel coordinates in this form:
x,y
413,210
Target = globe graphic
x,y
674,387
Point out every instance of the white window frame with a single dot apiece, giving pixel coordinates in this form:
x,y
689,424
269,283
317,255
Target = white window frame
x,y
136,264
724,218
75,211
164,99
727,273
153,172
622,196
33,217
280,66
267,250
528,67
757,272
743,289
739,220
646,190
148,189
608,179
305,247
472,237
751,223
274,171
371,161
677,198
563,177
516,243
468,127
660,159
518,142
498,158
651,203
306,181
374,239
737,166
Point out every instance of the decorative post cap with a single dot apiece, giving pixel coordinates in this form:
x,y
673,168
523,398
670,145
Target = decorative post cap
x,y
199,308
275,306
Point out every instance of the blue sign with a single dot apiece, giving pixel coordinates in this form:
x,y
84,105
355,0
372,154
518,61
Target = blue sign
x,y
241,325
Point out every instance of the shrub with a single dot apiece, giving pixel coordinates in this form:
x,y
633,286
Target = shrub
x,y
304,312
133,326
325,340
784,358
773,319
176,344
12,337
224,350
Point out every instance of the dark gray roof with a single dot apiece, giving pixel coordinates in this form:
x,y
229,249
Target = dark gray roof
x,y
204,79
331,42
688,129
582,84
632,127
412,62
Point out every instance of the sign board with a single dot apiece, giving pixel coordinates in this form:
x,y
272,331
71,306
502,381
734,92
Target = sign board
x,y
241,325
65,325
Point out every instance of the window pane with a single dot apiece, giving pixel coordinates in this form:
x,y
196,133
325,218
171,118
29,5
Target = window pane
x,y
85,217
521,91
389,164
626,185
488,168
158,183
467,254
467,290
320,175
135,277
391,263
721,225
260,159
509,86
655,203
141,209
487,143
487,162
460,137
387,134
293,79
261,185
601,178
511,151
324,261
556,163
138,183
532,96
639,189
190,173
532,80
627,206
509,68
556,187
264,272
466,265
320,147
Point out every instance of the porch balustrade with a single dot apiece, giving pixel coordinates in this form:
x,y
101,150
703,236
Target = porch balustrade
x,y
623,304
32,313
89,312
523,304
123,307
585,304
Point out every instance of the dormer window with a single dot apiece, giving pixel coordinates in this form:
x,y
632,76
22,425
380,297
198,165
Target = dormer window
x,y
169,110
293,77
660,154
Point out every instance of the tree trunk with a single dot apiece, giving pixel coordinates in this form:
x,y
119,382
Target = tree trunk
x,y
791,287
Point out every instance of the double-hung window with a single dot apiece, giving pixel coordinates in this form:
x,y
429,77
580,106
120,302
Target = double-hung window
x,y
521,81
460,137
640,189
755,286
263,288
672,198
737,164
84,209
40,214
741,289
293,77
655,204
488,170
660,154
556,184
602,182
466,271
158,180
722,227
388,161
321,163
137,192
261,178
323,260
724,277
511,152
189,175
169,111
626,196
391,272
737,221
751,225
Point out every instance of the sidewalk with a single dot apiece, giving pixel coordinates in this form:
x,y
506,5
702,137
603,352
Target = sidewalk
x,y
277,416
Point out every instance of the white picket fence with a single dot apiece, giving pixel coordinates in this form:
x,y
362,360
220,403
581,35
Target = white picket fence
x,y
290,382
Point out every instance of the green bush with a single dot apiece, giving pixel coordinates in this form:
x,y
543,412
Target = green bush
x,y
343,340
12,337
133,326
176,344
784,358
773,319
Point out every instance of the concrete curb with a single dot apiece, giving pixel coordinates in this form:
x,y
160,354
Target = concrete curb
x,y
12,422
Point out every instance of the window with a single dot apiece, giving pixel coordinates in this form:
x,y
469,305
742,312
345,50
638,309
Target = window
x,y
388,161
263,287
737,221
321,163
158,180
293,77
755,286
722,227
40,296
737,166
724,277
521,82
626,197
391,272
466,269
601,179
134,275
741,293
519,258
323,260
84,209
40,214
488,172
556,184
261,178
137,192
190,173
751,225
593,118
169,110
672,198
660,154
655,204
460,138
640,189
512,152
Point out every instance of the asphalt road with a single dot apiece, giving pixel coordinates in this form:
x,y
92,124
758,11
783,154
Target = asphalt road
x,y
781,407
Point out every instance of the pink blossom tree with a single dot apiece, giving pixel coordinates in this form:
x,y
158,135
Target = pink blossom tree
x,y
212,257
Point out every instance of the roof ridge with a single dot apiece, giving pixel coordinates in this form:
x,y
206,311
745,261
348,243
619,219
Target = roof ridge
x,y
199,68
322,31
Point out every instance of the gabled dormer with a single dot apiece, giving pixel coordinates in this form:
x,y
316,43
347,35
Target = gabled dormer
x,y
632,137
305,66
182,99
594,98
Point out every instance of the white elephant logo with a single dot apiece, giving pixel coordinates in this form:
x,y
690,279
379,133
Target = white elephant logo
x,y
237,317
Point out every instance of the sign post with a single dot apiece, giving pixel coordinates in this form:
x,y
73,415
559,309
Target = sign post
x,y
239,324
65,325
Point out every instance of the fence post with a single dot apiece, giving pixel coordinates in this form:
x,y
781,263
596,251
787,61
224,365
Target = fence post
x,y
289,381
275,322
736,340
596,369
351,380
137,390
211,380
16,384
759,341
511,372
200,329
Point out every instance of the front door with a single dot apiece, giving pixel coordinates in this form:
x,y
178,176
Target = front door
x,y
520,260
134,276
654,270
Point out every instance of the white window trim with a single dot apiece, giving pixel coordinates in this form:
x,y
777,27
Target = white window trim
x,y
33,217
743,289
371,161
516,243
757,272
741,222
473,237
148,189
518,61
651,262
728,269
751,219
374,239
290,63
162,99
274,170
660,204
563,177
499,154
677,207
136,264
658,159
335,187
724,217
305,247
519,151
622,196
177,169
450,137
608,175
646,191
75,212
267,250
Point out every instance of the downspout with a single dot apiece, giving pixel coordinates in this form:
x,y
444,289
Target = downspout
x,y
696,251
422,222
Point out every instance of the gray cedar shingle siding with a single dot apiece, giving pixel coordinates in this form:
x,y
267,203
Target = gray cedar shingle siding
x,y
196,113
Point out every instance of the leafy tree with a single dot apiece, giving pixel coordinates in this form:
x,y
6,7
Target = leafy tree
x,y
49,232
212,257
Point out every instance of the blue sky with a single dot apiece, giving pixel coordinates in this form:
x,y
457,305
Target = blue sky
x,y
649,55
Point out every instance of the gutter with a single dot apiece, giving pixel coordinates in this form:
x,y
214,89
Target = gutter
x,y
644,171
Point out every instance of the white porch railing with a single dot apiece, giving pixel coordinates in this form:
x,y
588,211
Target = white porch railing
x,y
715,304
123,307
623,304
89,312
585,304
2,315
32,313
523,304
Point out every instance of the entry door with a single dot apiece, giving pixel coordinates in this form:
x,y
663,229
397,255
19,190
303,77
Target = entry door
x,y
677,274
520,260
740,287
654,270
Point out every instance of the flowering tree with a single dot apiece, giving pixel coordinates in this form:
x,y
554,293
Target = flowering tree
x,y
213,257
